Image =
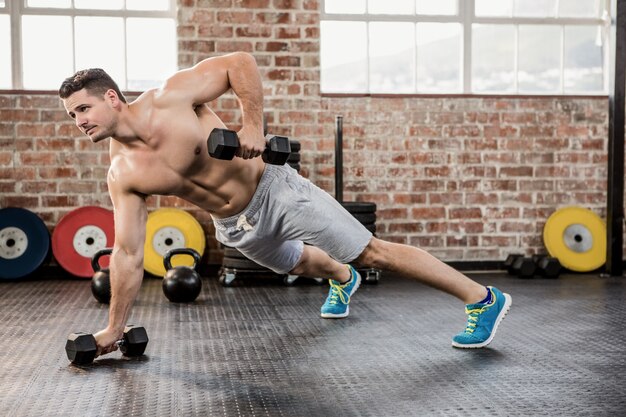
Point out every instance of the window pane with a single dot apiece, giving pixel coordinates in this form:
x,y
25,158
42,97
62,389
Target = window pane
x,y
1,3
493,58
535,8
390,7
539,60
345,6
150,63
147,4
582,60
441,7
96,51
343,59
502,8
439,57
5,51
392,57
50,3
47,59
99,4
578,8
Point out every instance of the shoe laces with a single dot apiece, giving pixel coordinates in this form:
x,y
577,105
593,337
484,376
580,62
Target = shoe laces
x,y
338,293
472,318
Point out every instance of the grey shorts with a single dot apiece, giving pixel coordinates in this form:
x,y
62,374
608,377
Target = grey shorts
x,y
286,211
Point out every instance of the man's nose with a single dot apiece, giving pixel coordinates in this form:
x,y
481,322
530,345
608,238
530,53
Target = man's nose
x,y
80,121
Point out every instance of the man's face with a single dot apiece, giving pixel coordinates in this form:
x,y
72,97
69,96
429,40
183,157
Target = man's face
x,y
93,115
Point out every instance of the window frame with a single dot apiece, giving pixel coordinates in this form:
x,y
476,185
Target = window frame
x,y
18,8
467,18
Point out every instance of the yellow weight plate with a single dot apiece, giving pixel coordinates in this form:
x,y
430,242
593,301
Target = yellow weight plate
x,y
170,228
577,238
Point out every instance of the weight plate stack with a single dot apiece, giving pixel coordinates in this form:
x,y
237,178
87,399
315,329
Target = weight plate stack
x,y
365,213
294,157
24,243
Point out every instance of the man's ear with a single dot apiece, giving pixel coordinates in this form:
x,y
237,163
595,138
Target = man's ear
x,y
112,97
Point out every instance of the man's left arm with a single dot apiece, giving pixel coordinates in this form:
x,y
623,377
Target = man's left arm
x,y
213,77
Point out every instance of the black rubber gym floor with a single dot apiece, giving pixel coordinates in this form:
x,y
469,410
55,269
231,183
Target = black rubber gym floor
x,y
262,350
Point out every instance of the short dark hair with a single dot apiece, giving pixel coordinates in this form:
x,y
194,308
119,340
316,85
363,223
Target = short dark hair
x,y
95,80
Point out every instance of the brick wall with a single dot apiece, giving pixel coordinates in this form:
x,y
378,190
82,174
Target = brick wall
x,y
467,178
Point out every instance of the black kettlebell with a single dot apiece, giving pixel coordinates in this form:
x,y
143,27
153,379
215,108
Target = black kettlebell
x,y
181,284
100,282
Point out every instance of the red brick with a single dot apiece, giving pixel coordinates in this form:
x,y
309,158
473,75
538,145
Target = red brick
x,y
465,213
215,31
253,32
287,61
37,187
252,4
59,201
428,213
39,102
233,46
27,202
287,33
38,158
235,17
272,17
19,115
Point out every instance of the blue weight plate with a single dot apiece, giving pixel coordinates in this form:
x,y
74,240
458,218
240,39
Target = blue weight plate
x,y
24,242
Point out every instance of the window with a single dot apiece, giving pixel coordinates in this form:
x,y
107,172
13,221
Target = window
x,y
467,46
44,41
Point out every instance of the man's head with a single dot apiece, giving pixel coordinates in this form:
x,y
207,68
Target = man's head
x,y
91,98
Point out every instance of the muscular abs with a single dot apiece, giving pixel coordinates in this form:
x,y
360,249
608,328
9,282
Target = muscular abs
x,y
175,161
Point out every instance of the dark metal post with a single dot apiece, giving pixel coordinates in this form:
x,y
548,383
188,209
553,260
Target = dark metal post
x,y
615,184
339,158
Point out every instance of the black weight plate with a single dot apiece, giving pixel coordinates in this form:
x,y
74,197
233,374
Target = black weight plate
x,y
242,264
371,228
359,207
295,146
293,157
233,253
24,242
365,218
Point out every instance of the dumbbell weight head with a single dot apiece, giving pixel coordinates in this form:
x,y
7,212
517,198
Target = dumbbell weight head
x,y
524,267
81,348
134,342
510,260
223,144
181,284
100,282
277,150
549,267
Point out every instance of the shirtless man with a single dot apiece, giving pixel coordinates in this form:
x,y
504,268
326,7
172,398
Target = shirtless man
x,y
159,146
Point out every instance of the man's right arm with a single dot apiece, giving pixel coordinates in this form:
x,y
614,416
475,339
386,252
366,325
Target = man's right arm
x,y
126,265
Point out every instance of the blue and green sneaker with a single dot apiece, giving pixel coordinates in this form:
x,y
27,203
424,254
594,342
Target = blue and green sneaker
x,y
483,320
337,303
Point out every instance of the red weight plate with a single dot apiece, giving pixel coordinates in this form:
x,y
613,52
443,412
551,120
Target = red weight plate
x,y
79,235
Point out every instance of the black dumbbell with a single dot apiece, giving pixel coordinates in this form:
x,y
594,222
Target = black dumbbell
x,y
81,347
181,284
223,144
510,260
548,267
100,282
524,267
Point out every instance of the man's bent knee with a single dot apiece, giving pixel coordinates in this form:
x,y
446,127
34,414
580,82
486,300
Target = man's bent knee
x,y
373,254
